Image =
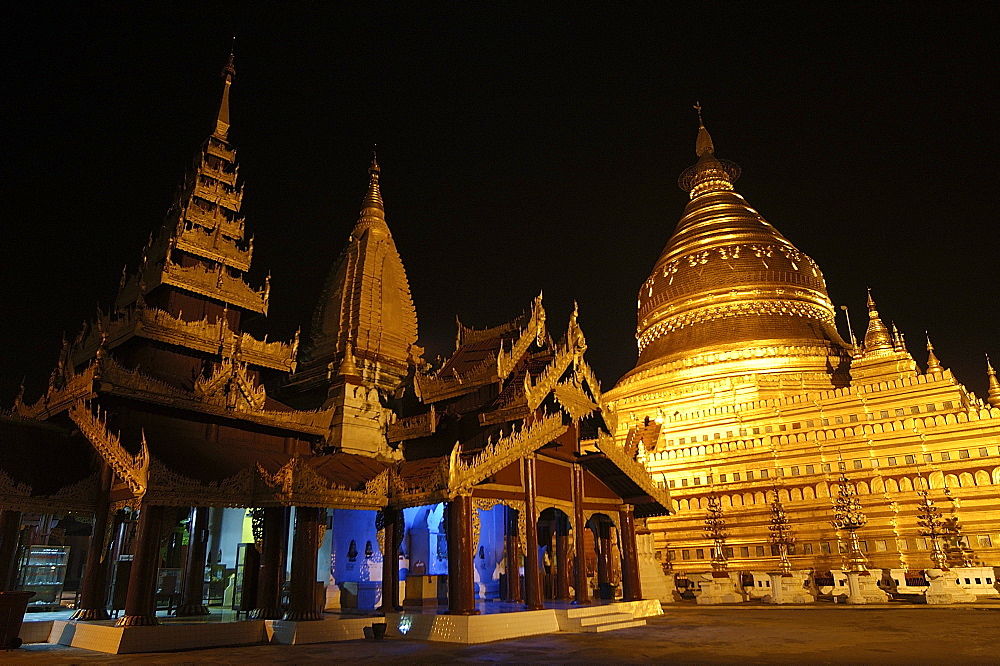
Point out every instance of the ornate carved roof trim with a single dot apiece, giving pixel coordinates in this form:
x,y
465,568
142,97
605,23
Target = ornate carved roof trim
x,y
428,486
168,488
210,337
574,400
609,415
80,496
533,332
298,484
634,469
132,469
74,387
412,427
119,381
497,455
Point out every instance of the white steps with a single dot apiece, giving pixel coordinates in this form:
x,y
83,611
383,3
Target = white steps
x,y
597,619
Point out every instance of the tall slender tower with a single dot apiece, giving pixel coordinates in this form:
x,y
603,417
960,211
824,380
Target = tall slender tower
x,y
178,315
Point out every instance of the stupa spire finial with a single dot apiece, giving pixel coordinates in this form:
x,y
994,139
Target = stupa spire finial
x,y
228,74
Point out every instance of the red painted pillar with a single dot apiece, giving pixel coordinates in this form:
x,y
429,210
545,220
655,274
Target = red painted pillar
x,y
302,587
602,544
192,601
532,577
95,571
581,593
461,576
631,589
390,560
269,574
563,560
513,556
140,601
10,532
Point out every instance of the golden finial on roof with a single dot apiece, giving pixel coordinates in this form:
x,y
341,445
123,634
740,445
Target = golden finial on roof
x,y
704,144
877,337
373,199
709,174
230,68
899,343
994,395
933,364
222,121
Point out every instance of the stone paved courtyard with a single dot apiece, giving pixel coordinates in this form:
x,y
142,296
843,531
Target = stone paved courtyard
x,y
685,634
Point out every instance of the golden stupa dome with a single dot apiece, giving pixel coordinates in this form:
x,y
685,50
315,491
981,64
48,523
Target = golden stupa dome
x,y
727,281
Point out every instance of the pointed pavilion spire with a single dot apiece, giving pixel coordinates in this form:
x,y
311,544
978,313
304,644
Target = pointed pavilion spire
x,y
373,198
709,174
933,364
898,341
228,74
877,337
994,394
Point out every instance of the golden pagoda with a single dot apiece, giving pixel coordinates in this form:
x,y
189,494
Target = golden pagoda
x,y
744,389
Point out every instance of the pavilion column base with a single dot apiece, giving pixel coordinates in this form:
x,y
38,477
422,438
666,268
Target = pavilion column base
x,y
90,614
302,616
467,611
266,614
191,610
137,621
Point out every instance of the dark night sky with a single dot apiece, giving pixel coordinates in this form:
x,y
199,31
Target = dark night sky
x,y
523,148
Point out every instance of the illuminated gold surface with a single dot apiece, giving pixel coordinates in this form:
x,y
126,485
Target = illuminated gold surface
x,y
741,366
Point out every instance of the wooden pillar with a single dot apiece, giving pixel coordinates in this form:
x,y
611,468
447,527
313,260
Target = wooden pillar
x,y
95,570
390,560
563,560
192,600
10,532
631,589
512,555
532,577
581,593
269,574
140,601
461,576
302,587
602,543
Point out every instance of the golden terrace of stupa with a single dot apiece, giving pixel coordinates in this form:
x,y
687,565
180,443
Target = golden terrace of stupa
x,y
744,390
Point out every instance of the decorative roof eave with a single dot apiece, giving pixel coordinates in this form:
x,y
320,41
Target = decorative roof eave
x,y
497,455
76,387
632,468
298,484
514,410
205,245
132,469
168,488
204,336
431,388
434,388
412,427
116,380
533,332
433,488
609,415
80,496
